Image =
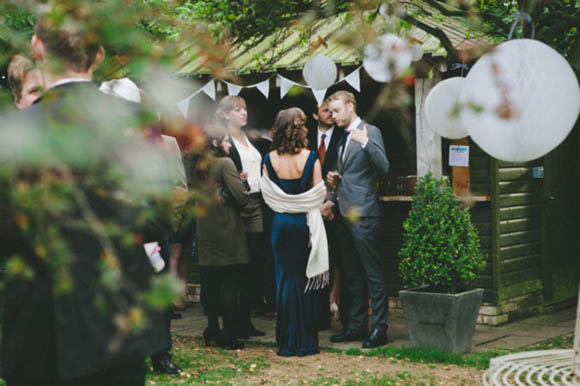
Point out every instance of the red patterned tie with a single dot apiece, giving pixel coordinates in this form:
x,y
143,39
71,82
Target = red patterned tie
x,y
322,149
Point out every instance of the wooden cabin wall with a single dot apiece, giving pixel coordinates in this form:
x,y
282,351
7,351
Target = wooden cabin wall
x,y
517,222
481,215
394,214
561,222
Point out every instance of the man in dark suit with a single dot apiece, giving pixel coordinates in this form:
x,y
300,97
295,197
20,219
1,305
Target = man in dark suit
x,y
74,314
361,159
324,141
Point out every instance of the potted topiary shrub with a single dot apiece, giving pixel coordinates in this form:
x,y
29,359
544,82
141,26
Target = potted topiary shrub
x,y
440,258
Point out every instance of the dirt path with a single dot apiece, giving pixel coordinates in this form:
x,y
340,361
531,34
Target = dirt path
x,y
333,368
260,365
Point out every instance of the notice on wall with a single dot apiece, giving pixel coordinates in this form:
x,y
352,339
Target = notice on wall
x,y
458,155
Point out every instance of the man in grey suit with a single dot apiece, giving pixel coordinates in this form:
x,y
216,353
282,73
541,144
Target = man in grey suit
x,y
361,159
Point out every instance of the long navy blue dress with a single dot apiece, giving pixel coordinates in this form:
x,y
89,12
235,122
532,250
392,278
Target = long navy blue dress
x,y
296,332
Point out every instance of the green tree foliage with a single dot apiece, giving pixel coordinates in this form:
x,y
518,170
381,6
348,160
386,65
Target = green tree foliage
x,y
552,22
440,244
555,23
245,20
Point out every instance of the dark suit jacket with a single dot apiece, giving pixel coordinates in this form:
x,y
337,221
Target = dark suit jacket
x,y
330,160
50,333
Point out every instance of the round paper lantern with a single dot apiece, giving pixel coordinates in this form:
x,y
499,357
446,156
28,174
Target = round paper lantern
x,y
520,100
386,57
319,72
416,52
442,109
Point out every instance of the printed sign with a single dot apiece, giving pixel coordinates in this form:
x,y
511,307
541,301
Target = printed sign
x,y
458,155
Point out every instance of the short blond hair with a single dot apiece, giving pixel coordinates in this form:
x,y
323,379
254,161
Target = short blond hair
x,y
344,96
227,104
18,68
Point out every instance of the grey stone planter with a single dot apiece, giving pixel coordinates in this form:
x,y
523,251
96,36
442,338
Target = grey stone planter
x,y
439,320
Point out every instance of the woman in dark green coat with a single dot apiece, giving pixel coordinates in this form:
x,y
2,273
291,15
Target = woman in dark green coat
x,y
222,244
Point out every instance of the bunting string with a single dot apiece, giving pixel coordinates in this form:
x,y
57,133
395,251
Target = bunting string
x,y
353,79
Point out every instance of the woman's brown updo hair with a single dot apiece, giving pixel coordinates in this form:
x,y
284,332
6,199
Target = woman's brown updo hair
x,y
290,131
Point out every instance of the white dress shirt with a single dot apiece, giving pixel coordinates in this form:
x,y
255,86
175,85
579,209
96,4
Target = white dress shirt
x,y
251,163
354,124
68,80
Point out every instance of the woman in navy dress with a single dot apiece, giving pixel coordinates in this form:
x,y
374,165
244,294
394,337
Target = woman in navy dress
x,y
295,170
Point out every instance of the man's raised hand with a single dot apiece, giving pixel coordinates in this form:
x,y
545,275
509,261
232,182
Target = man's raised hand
x,y
359,135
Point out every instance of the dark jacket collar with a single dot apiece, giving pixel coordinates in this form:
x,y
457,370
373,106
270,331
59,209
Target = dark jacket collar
x,y
57,91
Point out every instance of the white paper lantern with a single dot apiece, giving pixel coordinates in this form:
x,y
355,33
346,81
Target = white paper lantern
x,y
442,109
520,100
386,57
320,72
416,52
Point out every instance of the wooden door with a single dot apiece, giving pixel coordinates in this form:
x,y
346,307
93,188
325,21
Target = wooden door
x,y
561,225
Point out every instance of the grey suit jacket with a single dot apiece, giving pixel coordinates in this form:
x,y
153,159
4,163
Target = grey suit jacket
x,y
360,169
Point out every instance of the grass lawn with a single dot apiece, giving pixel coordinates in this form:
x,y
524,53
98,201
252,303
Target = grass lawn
x,y
259,364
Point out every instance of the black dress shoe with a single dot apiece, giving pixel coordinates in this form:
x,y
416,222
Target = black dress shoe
x,y
210,335
166,366
349,336
174,315
254,332
228,342
377,338
246,332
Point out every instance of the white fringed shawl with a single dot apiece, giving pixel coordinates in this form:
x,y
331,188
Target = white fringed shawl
x,y
308,202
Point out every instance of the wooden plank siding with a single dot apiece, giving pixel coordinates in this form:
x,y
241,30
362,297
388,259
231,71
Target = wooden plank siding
x,y
519,230
394,214
481,215
479,170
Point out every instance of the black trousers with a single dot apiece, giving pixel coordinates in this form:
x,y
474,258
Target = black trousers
x,y
252,278
219,291
130,373
363,270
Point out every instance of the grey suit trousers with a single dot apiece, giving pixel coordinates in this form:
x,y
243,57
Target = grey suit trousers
x,y
363,273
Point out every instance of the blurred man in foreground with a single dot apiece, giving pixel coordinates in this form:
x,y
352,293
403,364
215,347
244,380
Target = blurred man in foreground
x,y
76,290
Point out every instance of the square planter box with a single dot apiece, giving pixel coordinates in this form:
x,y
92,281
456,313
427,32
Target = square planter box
x,y
443,321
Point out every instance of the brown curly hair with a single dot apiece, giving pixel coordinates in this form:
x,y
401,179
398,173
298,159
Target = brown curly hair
x,y
290,131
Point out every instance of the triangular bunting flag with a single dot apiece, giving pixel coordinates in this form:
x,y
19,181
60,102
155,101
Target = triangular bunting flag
x,y
264,87
285,85
354,79
233,89
319,95
209,89
183,106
